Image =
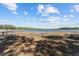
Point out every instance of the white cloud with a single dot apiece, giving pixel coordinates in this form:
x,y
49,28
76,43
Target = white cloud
x,y
47,9
25,13
15,13
67,17
11,6
72,10
51,20
40,8
75,8
71,16
44,14
3,21
54,20
51,9
57,21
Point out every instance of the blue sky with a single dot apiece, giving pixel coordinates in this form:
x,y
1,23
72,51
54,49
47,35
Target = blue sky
x,y
40,15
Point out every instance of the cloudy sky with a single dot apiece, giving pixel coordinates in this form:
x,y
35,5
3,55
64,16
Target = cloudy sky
x,y
40,15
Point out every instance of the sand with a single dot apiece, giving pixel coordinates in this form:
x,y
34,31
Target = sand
x,y
40,44
37,35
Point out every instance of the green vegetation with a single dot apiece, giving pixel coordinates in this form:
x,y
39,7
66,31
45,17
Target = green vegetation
x,y
7,27
15,27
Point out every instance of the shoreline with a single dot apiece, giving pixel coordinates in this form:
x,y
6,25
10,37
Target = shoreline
x,y
38,35
59,33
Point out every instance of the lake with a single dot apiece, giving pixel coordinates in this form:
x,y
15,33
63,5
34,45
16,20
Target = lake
x,y
41,30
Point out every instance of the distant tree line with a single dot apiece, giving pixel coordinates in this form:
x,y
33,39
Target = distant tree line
x,y
15,27
7,27
69,28
10,27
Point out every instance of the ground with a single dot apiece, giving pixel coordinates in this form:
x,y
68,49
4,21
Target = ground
x,y
40,44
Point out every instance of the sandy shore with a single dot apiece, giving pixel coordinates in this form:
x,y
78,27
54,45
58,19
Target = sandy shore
x,y
40,44
37,35
44,33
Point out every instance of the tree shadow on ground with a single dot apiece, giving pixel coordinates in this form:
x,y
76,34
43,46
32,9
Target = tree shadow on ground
x,y
48,48
53,37
72,36
13,45
6,41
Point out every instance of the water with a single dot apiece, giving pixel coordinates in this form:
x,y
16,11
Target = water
x,y
41,30
46,30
